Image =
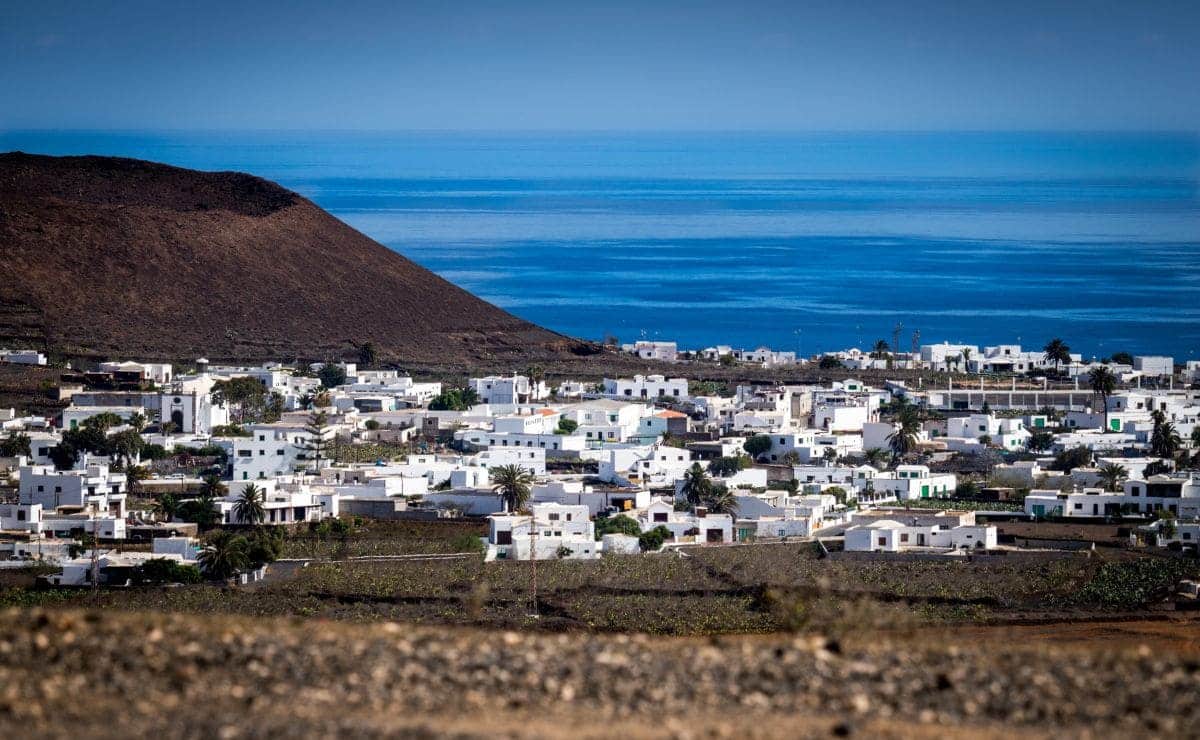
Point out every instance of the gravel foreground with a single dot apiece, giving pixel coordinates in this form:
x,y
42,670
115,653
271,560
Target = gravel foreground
x,y
108,674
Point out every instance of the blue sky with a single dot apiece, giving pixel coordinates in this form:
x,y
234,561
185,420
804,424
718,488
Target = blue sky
x,y
755,64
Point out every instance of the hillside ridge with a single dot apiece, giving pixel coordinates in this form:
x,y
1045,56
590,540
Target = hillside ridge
x,y
109,256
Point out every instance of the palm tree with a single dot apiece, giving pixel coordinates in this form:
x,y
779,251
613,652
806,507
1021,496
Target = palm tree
x,y
212,487
696,485
720,500
903,440
225,556
134,475
1196,436
137,421
966,358
875,457
167,506
1104,384
1058,352
513,482
881,349
249,507
1111,474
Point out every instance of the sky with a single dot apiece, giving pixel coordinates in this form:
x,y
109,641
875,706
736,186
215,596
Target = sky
x,y
618,65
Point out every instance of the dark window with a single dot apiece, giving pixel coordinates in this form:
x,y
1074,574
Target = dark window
x,y
504,537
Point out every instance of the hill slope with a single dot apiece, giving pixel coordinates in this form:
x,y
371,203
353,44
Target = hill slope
x,y
120,257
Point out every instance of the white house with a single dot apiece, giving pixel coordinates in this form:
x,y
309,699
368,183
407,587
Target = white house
x,y
647,387
549,531
889,535
686,527
913,482
1154,365
22,357
664,351
92,487
514,389
273,449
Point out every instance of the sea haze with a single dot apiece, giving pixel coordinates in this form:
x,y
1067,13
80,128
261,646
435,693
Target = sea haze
x,y
815,241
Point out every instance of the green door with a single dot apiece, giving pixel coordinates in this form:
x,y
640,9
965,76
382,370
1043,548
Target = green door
x,y
924,491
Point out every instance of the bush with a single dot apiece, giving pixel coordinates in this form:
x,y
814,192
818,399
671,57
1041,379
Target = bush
x,y
653,540
566,426
467,543
163,570
371,424
154,452
725,466
619,524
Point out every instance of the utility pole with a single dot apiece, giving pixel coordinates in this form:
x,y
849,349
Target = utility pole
x,y
533,598
95,556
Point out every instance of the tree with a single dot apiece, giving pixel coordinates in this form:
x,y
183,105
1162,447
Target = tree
x,y
367,355
757,445
513,483
1122,358
137,421
829,362
726,466
903,441
332,375
167,506
247,399
134,475
875,457
1111,475
880,350
1158,467
454,399
1068,460
315,442
212,487
696,485
791,457
566,426
619,524
1104,384
985,440
1057,351
1040,441
721,500
966,358
64,455
1196,436
838,493
17,444
250,507
652,541
103,421
126,445
225,556
1164,439
829,455
158,571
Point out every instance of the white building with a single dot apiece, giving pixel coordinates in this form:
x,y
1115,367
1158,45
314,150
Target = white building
x,y
514,389
550,531
699,527
913,482
92,487
1154,365
1179,496
664,351
889,535
22,357
649,387
273,449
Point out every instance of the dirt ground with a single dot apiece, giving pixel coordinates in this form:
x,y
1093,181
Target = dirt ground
x,y
110,675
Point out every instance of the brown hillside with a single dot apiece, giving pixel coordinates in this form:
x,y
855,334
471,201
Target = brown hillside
x,y
118,257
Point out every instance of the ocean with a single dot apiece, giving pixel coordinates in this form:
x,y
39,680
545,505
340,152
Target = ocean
x,y
808,242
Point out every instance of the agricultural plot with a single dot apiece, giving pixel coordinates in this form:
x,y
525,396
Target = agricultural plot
x,y
707,591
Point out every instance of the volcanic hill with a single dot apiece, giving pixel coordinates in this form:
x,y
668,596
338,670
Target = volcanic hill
x,y
106,257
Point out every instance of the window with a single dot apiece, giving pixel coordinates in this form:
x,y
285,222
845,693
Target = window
x,y
904,537
279,452
883,541
554,517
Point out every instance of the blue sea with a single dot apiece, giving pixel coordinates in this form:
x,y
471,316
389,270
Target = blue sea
x,y
810,241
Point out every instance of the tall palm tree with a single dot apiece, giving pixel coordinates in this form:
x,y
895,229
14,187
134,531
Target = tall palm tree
x,y
1104,384
881,349
903,441
225,556
1168,442
250,506
696,485
966,358
1057,351
1111,474
513,483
